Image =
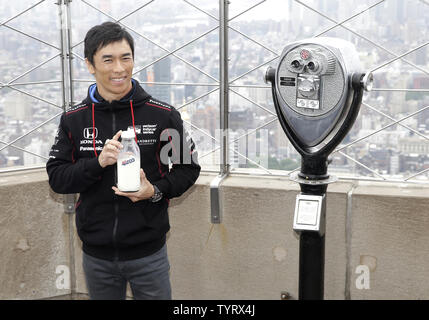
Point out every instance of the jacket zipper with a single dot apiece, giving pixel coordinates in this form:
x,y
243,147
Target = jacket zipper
x,y
116,204
115,228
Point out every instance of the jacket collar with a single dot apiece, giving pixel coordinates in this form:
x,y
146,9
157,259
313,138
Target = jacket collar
x,y
137,94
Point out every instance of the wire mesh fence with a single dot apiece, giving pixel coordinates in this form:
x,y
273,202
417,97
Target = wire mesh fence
x,y
177,61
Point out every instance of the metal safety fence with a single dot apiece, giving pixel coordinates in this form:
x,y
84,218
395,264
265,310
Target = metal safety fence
x,y
213,74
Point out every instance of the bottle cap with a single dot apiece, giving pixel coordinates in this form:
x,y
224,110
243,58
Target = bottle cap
x,y
129,134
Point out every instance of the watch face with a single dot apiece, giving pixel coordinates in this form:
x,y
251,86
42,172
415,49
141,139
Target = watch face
x,y
157,195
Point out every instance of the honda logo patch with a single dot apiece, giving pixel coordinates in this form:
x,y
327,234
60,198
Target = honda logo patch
x,y
88,133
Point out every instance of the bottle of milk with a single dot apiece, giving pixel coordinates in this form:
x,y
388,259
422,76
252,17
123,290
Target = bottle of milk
x,y
128,163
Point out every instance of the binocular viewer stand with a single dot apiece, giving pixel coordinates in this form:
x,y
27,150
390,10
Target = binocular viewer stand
x,y
317,91
309,223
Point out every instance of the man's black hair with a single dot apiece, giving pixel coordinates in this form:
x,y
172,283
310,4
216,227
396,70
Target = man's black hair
x,y
101,35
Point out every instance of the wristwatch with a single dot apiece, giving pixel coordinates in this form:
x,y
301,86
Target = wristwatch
x,y
157,195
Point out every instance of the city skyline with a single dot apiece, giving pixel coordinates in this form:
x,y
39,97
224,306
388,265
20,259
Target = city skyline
x,y
394,151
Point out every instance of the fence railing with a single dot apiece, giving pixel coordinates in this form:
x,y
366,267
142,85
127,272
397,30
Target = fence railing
x,y
68,51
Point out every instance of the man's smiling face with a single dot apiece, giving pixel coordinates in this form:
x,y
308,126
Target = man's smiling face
x,y
112,68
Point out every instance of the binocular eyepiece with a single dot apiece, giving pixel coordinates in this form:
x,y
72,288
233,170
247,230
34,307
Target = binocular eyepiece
x,y
317,91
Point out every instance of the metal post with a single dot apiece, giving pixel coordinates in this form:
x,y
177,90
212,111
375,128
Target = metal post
x,y
311,265
69,51
312,244
62,38
215,197
312,253
66,67
67,87
224,85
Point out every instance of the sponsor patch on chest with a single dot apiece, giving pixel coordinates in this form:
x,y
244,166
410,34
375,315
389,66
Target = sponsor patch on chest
x,y
146,142
145,128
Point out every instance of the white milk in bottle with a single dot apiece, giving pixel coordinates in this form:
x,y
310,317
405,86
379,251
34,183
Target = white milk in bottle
x,y
128,163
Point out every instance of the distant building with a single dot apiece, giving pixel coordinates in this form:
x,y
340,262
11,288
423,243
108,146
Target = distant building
x,y
241,119
421,56
394,164
413,145
234,158
18,106
206,117
162,73
414,162
377,160
37,146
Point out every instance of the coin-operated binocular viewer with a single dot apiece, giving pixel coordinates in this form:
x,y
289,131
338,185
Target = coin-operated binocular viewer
x,y
317,90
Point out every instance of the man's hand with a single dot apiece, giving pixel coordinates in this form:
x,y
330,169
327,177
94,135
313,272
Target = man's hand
x,y
146,190
110,152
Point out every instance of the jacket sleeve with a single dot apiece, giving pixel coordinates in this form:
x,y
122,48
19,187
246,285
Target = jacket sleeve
x,y
66,173
183,156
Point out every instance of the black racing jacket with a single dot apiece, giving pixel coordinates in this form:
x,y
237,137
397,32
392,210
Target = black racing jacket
x,y
112,227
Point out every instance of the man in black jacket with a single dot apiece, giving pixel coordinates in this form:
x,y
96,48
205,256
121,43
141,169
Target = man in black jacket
x,y
123,234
